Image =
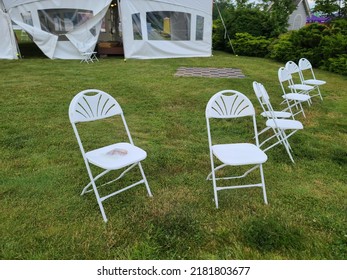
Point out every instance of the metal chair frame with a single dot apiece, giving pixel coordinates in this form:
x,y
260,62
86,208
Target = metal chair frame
x,y
89,56
305,66
231,104
279,126
92,105
298,87
292,98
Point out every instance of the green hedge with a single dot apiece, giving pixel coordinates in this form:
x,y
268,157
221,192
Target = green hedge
x,y
325,46
246,44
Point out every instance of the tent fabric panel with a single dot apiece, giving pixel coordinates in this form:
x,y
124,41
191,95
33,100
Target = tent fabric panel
x,y
154,49
53,43
8,45
140,43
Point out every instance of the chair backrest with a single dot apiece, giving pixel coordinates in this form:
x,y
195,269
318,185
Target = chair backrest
x,y
229,104
264,99
261,93
91,105
305,64
284,75
292,67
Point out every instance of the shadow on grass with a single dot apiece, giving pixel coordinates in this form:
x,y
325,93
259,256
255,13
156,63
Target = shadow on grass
x,y
272,234
172,235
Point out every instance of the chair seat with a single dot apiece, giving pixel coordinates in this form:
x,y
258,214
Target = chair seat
x,y
296,96
277,114
239,154
284,124
315,82
116,156
301,87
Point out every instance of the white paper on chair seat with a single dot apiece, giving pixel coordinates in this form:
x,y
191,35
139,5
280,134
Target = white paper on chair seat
x,y
108,157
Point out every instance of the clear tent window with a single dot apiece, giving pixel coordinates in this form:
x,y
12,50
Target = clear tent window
x,y
168,26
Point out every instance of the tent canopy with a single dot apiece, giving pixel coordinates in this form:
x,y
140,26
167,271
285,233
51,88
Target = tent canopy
x,y
150,28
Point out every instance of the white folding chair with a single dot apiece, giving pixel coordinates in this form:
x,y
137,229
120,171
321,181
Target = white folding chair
x,y
93,105
269,113
292,98
231,104
278,125
298,86
305,66
283,114
89,56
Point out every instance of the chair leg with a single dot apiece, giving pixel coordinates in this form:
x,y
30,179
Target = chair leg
x,y
302,110
320,95
98,198
263,183
215,193
145,180
286,143
99,202
290,107
214,183
96,193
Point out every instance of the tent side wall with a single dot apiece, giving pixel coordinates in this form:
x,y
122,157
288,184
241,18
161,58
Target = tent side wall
x,y
61,29
8,44
166,29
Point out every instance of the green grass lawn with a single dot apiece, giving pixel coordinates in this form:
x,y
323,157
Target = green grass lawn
x,y
42,172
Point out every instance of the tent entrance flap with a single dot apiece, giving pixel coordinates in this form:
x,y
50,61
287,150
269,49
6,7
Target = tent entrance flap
x,y
61,28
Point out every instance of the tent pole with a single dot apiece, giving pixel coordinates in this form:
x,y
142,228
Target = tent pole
x,y
226,34
119,16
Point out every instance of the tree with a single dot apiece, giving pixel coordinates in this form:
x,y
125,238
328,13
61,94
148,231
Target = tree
x,y
328,7
279,10
224,6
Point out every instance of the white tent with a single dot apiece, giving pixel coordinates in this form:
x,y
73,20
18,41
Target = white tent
x,y
150,28
163,28
60,28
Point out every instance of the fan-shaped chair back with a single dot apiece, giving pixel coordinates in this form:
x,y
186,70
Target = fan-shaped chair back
x,y
304,64
292,67
263,98
284,75
91,105
229,104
